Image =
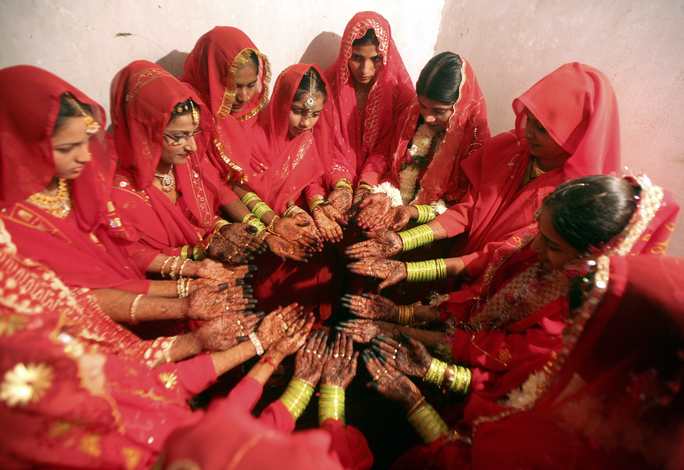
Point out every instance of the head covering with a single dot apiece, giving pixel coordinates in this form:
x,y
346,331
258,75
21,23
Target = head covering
x,y
30,99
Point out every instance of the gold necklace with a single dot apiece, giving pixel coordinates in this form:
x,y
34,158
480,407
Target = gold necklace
x,y
167,180
58,204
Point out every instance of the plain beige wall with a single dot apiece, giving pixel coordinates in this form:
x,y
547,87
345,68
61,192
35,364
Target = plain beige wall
x,y
639,45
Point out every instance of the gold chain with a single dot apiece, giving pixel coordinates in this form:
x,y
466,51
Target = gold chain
x,y
58,205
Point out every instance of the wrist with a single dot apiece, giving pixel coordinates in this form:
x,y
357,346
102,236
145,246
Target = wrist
x,y
189,344
331,403
297,396
413,211
436,372
427,422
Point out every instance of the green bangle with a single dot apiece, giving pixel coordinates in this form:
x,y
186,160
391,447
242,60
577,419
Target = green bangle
x,y
436,372
296,397
331,403
343,183
425,271
426,213
427,422
249,198
416,237
459,378
260,209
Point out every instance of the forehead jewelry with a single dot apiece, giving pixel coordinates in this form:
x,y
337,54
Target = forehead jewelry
x,y
92,126
311,100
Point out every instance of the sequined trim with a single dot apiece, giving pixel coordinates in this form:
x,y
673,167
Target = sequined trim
x,y
229,93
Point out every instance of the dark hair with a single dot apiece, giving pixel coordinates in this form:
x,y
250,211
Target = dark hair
x,y
183,108
310,81
440,79
590,211
70,107
254,59
368,39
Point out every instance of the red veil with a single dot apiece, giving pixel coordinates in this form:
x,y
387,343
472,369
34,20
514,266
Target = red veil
x,y
142,98
77,247
210,69
366,137
577,106
467,130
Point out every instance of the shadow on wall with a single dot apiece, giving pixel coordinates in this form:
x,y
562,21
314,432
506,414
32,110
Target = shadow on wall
x,y
322,50
173,62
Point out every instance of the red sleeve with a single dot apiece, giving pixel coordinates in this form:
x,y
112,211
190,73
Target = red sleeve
x,y
456,218
349,444
222,190
246,393
196,374
278,417
315,188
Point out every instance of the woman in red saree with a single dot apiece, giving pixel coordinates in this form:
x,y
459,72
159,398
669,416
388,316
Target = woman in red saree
x,y
508,329
566,127
369,87
232,77
56,174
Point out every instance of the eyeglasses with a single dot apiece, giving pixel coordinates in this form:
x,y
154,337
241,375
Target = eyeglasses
x,y
181,138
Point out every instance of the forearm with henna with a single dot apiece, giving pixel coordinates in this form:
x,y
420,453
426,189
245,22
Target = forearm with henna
x,y
425,313
117,304
226,360
431,339
168,289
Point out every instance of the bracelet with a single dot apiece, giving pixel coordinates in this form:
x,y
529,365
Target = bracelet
x,y
173,273
296,397
416,237
316,201
180,271
406,313
261,209
365,186
183,287
292,211
344,183
249,198
257,343
220,223
457,379
251,219
133,308
271,225
198,253
426,213
331,403
166,261
184,252
423,271
435,373
427,422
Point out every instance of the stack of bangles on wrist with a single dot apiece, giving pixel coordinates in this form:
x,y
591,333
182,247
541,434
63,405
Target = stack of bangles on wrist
x,y
406,314
257,343
416,237
450,378
331,403
427,422
424,271
344,184
176,266
251,219
293,210
364,187
260,209
316,201
183,287
426,213
296,397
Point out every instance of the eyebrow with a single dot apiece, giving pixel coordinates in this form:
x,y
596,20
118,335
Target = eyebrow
x,y
69,144
550,242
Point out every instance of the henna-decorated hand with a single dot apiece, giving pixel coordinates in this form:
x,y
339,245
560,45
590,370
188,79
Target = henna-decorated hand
x,y
409,356
241,235
311,358
277,323
225,332
225,251
206,303
363,331
307,223
391,272
295,337
285,249
372,209
210,269
359,195
400,218
390,382
371,306
331,230
340,368
341,200
385,245
297,230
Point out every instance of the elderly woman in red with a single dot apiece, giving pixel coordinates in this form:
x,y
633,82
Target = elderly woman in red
x,y
55,181
369,88
566,127
443,126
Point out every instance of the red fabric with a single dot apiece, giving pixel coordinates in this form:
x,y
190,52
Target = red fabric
x,y
143,97
363,151
210,70
290,165
577,106
76,247
467,130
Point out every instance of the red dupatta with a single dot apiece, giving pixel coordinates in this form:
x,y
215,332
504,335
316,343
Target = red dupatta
x,y
143,96
366,133
290,164
210,69
77,246
467,130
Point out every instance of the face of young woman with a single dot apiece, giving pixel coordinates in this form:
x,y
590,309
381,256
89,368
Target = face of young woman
x,y
246,78
303,118
364,63
70,148
551,248
179,140
548,153
435,113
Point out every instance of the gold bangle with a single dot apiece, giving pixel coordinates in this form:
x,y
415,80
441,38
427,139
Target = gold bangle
x,y
365,186
331,403
436,372
133,308
173,273
198,253
406,313
427,422
416,237
182,266
344,183
293,210
184,251
316,201
296,397
219,225
163,267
